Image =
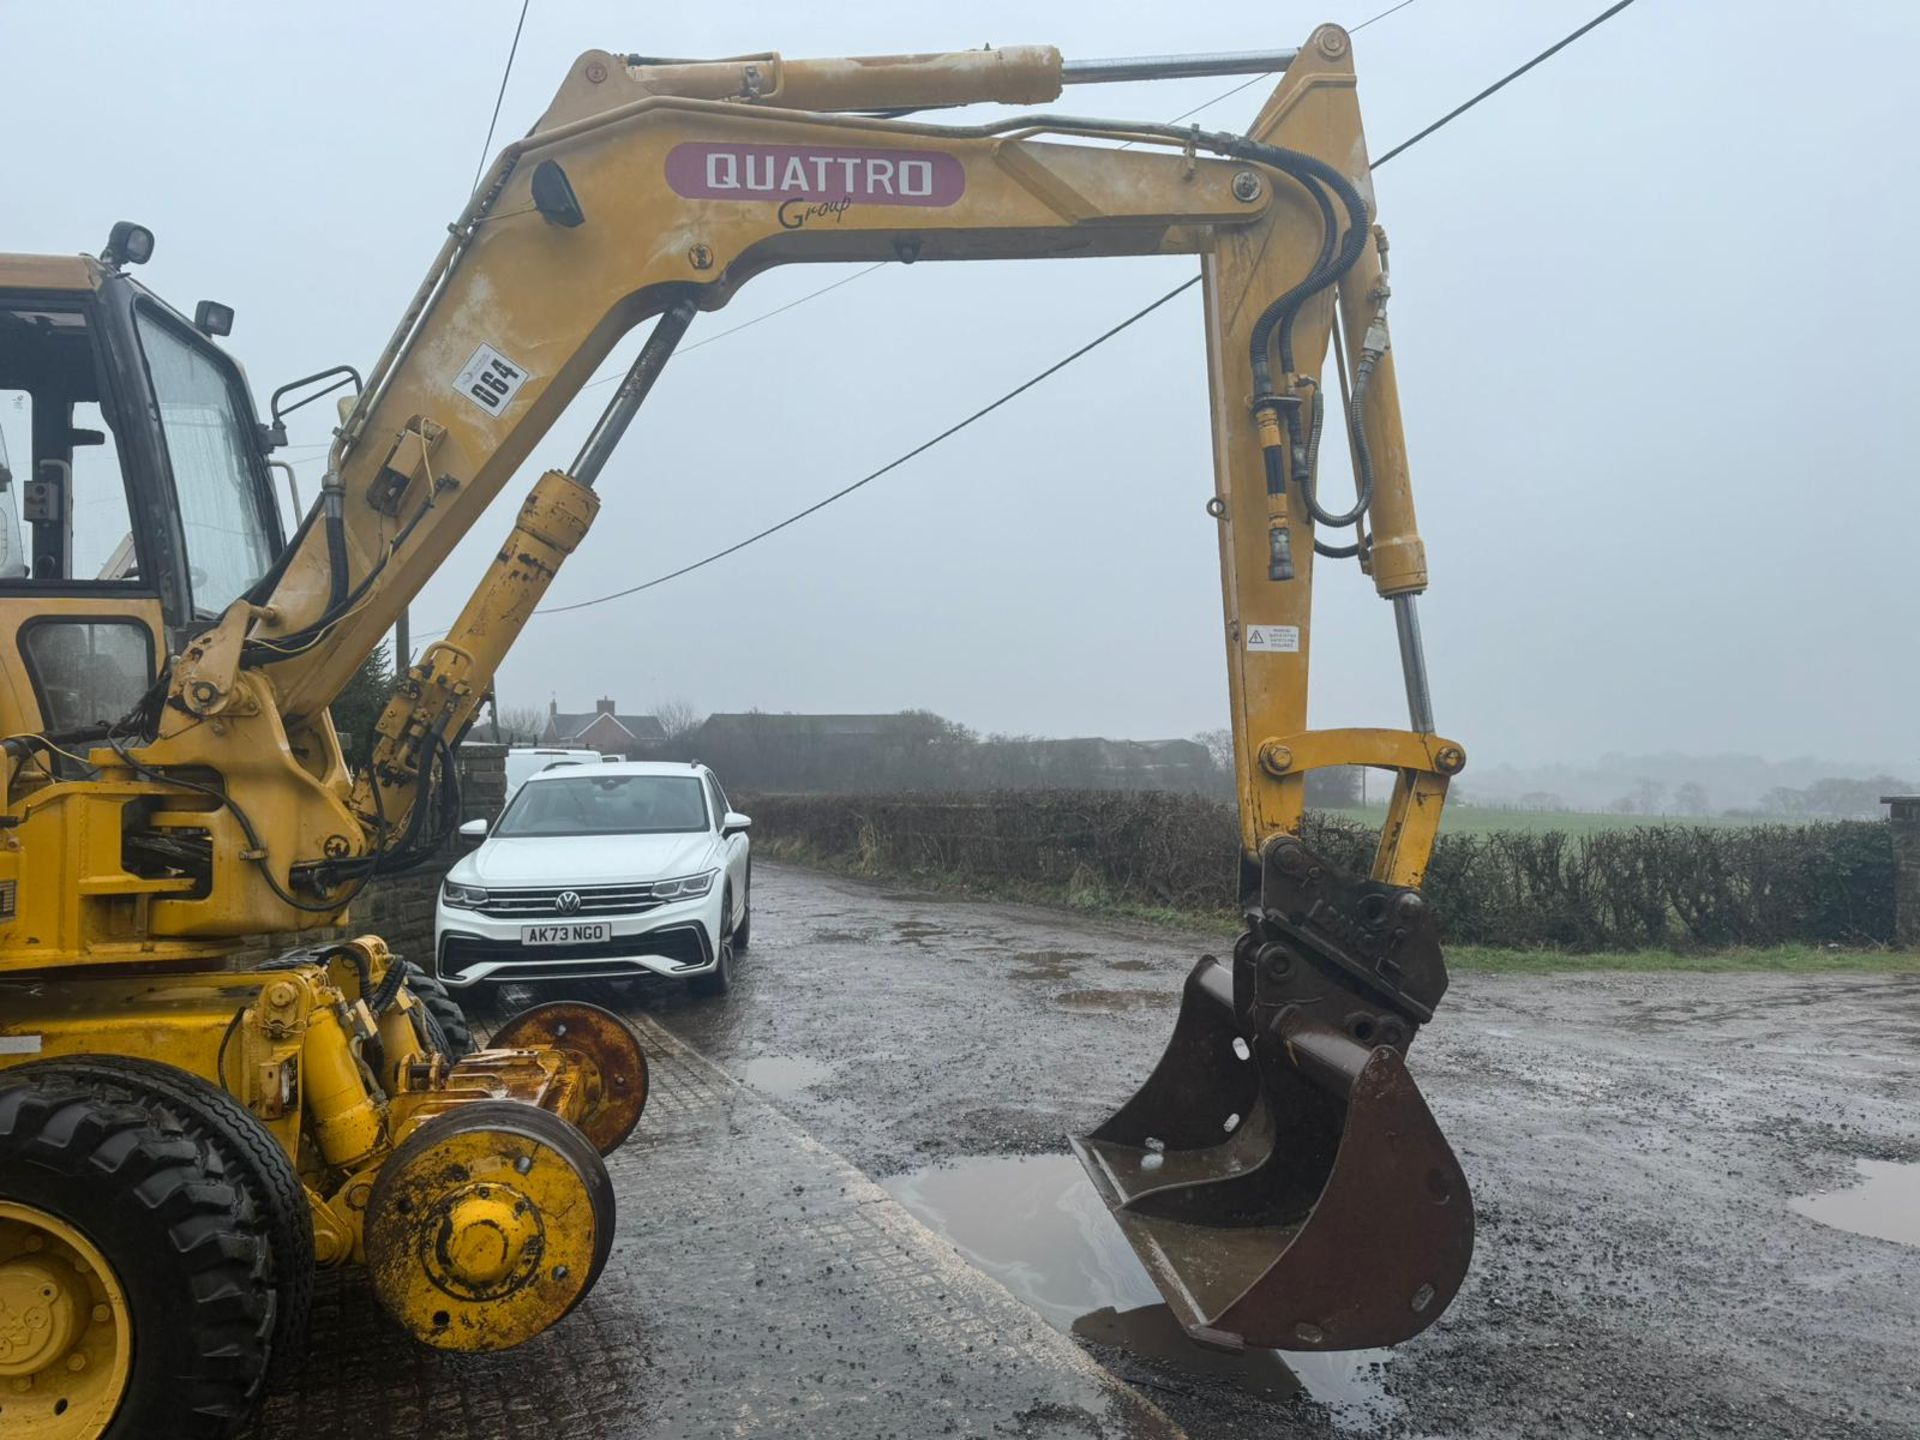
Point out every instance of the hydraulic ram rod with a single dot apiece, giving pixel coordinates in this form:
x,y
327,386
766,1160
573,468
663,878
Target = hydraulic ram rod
x,y
1176,67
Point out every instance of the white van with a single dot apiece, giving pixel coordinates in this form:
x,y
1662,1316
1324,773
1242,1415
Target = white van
x,y
526,761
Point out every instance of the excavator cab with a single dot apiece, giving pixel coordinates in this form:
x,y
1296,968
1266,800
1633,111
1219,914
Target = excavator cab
x,y
1279,1174
134,499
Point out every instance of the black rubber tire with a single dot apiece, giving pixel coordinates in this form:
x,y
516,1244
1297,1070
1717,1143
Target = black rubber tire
x,y
180,1236
719,980
743,930
250,1157
481,998
455,1037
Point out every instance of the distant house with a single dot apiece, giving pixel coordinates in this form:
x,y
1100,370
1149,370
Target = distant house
x,y
602,729
763,751
1122,764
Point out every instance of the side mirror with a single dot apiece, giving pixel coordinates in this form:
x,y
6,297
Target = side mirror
x,y
473,832
735,823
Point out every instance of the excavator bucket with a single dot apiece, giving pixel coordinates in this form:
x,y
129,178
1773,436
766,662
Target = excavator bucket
x,y
1279,1174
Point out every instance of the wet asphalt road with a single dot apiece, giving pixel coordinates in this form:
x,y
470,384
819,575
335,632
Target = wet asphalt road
x,y
1634,1142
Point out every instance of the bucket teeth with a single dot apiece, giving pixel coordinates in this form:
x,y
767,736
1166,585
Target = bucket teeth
x,y
1279,1174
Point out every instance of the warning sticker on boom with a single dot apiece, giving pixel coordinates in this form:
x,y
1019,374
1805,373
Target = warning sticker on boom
x,y
490,380
1274,639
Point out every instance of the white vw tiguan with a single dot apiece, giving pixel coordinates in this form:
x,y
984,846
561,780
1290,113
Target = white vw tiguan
x,y
612,870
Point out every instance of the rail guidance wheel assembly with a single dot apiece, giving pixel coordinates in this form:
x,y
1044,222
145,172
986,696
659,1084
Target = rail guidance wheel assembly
x,y
487,1225
616,1068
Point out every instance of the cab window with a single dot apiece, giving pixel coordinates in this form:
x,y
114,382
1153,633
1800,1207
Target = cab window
x,y
63,497
209,450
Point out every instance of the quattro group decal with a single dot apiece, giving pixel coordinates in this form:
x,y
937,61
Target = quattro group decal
x,y
815,175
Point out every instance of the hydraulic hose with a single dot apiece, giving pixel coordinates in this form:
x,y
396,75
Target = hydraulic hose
x,y
1362,464
1311,173
1317,178
1288,306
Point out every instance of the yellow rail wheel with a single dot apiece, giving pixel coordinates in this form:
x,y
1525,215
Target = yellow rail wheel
x,y
616,1067
487,1225
135,1302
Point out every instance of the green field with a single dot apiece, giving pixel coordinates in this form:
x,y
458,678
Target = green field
x,y
1459,819
1784,959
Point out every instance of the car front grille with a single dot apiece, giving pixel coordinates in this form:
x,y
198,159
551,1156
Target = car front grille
x,y
633,899
685,945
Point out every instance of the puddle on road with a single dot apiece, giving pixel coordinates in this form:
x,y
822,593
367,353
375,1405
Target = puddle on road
x,y
1046,964
1136,967
1151,1333
783,1076
1885,1204
1114,1002
1033,1223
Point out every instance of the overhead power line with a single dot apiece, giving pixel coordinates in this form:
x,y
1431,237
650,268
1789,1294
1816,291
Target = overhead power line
x,y
505,75
749,324
1268,74
1504,81
1063,363
894,464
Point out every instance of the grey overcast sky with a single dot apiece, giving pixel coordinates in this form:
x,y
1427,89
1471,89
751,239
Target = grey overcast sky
x,y
1651,315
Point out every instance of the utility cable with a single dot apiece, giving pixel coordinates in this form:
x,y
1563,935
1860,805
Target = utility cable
x,y
1504,81
505,75
894,464
748,324
1268,74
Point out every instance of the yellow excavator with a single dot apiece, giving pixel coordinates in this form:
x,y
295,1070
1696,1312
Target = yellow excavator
x,y
184,1138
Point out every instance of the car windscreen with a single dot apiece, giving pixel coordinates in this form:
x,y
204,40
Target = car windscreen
x,y
607,805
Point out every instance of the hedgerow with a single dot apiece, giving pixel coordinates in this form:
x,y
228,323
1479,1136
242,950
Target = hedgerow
x,y
1655,885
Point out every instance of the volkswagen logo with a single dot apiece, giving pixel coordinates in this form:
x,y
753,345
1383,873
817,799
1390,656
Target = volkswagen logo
x,y
567,902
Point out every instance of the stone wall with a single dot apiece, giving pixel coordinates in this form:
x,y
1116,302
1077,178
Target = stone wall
x,y
1905,819
400,909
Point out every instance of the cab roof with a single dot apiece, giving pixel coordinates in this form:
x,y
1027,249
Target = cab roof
x,y
48,272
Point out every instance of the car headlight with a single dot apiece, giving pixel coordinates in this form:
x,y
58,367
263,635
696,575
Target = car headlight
x,y
464,896
686,887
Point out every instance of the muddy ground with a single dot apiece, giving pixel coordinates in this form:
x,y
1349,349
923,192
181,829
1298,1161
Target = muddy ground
x,y
1635,1142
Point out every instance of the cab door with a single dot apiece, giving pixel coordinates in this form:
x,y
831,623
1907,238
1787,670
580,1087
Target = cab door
x,y
82,622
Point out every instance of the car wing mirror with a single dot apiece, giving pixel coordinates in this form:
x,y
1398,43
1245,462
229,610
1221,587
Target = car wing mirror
x,y
736,823
474,831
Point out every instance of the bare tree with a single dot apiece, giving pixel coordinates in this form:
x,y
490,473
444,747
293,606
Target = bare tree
x,y
1691,798
677,718
521,724
1219,745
